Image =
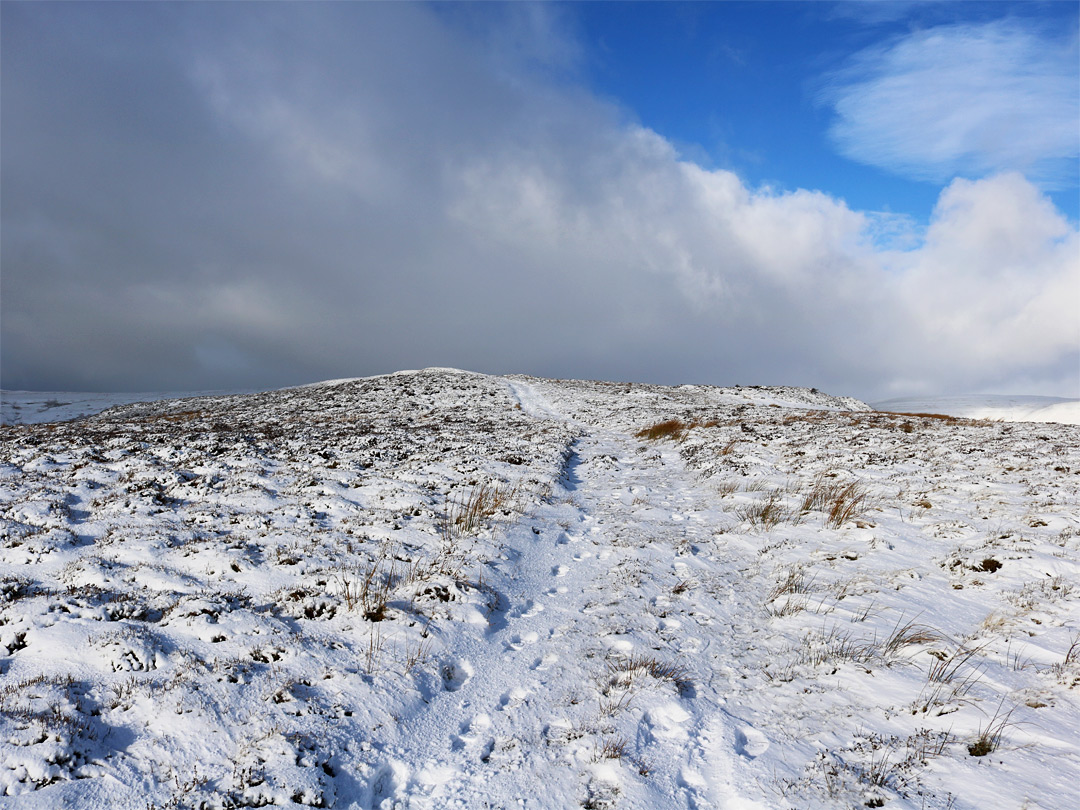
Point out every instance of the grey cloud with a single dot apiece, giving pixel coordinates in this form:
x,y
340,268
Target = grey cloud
x,y
201,196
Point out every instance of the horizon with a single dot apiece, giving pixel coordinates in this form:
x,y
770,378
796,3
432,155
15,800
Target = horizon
x,y
874,199
179,394
956,401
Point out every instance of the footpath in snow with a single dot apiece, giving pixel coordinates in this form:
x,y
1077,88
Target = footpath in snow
x,y
584,663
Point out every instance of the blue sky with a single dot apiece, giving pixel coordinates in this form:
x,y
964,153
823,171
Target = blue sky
x,y
876,199
741,84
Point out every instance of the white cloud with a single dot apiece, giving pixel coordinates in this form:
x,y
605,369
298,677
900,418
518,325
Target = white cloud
x,y
996,284
389,200
963,100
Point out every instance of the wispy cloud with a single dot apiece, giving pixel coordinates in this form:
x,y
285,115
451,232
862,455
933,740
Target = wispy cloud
x,y
963,100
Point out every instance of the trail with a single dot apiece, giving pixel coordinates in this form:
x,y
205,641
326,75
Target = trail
x,y
589,578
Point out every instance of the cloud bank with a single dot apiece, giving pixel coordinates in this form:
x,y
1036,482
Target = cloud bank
x,y
963,100
336,190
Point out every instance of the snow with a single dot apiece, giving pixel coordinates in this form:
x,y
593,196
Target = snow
x,y
35,407
1004,408
440,589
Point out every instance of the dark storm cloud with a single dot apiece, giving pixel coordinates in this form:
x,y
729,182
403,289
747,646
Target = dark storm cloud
x,y
232,195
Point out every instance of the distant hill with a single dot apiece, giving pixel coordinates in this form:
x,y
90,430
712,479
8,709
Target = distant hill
x,y
988,406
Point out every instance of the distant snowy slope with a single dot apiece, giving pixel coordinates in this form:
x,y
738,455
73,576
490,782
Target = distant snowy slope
x,y
37,407
787,396
986,406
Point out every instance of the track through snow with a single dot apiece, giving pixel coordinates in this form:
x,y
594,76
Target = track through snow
x,y
564,581
226,602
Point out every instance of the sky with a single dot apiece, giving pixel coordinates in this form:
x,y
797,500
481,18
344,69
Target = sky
x,y
876,199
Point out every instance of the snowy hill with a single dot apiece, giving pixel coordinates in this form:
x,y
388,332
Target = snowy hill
x,y
1004,408
441,589
34,407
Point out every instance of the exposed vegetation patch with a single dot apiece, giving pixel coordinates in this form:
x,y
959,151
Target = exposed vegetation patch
x,y
674,429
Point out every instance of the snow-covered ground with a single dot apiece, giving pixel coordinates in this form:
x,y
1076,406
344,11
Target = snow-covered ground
x,y
34,407
441,589
1003,408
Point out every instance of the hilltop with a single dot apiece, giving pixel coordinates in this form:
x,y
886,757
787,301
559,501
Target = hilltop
x,y
441,589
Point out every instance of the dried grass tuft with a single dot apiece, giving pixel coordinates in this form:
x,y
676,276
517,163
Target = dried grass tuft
x,y
625,670
839,502
674,429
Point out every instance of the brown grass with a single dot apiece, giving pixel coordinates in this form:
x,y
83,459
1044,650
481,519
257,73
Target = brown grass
x,y
990,736
624,670
792,580
372,591
907,634
180,416
832,645
482,504
726,488
903,421
814,417
764,514
840,502
942,417
674,429
944,683
671,429
613,748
